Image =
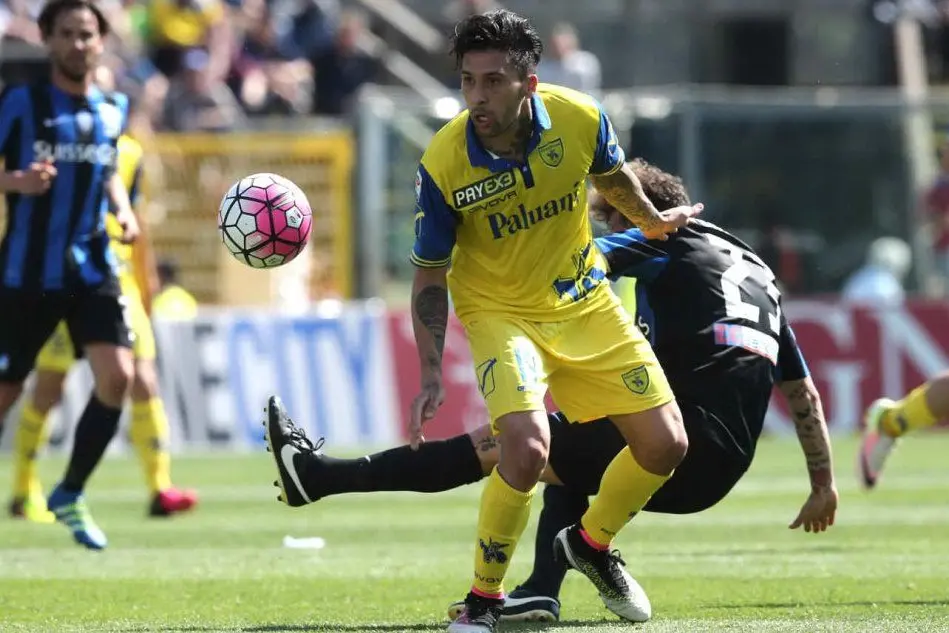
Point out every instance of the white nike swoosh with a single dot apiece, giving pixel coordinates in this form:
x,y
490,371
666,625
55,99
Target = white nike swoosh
x,y
516,602
286,455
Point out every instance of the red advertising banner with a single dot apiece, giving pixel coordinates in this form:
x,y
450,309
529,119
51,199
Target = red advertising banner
x,y
855,355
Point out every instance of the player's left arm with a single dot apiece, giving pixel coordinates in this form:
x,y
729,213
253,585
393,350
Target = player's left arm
x,y
122,207
807,412
629,255
616,181
145,264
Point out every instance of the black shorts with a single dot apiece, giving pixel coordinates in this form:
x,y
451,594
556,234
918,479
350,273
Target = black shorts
x,y
28,318
580,453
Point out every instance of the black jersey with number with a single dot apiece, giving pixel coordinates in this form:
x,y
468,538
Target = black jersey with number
x,y
712,312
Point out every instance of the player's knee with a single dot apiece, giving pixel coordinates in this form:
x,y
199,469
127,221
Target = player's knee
x,y
145,381
525,447
113,382
523,466
48,391
660,444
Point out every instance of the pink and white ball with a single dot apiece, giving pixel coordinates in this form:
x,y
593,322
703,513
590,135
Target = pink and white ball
x,y
264,220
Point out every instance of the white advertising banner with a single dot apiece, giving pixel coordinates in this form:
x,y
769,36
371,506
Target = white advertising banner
x,y
331,368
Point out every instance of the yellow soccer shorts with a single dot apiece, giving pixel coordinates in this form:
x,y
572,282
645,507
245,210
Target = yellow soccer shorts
x,y
59,354
595,365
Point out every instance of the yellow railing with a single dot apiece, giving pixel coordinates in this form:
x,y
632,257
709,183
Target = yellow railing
x,y
186,176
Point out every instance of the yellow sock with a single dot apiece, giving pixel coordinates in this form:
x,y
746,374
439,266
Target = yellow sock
x,y
909,414
503,517
624,490
149,435
30,436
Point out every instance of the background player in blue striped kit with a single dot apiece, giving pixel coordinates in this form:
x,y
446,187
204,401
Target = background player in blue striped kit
x,y
59,140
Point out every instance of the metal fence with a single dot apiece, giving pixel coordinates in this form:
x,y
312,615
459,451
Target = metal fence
x,y
808,177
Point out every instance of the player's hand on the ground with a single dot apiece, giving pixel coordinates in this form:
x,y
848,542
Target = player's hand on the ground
x,y
129,224
37,179
672,220
819,510
424,407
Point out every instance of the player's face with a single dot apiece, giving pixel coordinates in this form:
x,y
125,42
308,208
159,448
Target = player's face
x,y
494,91
75,44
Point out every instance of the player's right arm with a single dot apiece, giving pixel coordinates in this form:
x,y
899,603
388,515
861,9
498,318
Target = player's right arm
x,y
38,177
434,241
804,403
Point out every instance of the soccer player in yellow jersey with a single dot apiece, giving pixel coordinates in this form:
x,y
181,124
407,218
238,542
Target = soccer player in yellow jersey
x,y
886,421
501,221
149,425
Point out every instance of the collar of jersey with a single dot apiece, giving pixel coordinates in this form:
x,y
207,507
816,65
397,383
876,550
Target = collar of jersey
x,y
93,95
480,157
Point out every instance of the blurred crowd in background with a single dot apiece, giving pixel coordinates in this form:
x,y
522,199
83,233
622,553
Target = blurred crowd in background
x,y
228,65
207,65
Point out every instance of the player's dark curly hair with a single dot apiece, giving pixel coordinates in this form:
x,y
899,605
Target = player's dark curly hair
x,y
663,189
499,30
54,8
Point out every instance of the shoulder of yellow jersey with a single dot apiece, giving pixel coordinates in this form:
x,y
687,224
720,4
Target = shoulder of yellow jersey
x,y
448,150
565,105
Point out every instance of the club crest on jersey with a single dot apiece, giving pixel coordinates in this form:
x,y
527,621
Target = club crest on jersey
x,y
551,153
84,122
485,188
637,380
111,118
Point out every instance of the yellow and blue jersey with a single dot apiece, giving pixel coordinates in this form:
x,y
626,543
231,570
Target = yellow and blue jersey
x,y
517,235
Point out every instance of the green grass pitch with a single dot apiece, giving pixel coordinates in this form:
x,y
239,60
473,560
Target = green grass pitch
x,y
393,562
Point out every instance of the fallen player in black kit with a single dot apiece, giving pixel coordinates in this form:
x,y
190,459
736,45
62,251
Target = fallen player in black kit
x,y
711,310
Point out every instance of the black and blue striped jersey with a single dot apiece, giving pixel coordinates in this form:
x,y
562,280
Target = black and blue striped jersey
x,y
58,238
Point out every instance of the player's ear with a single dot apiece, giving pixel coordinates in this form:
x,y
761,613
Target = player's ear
x,y
531,83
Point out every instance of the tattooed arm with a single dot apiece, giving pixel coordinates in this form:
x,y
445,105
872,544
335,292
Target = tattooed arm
x,y
430,316
429,320
805,406
808,414
624,192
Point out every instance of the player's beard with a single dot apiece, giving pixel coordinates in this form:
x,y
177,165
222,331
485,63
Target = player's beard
x,y
75,71
506,124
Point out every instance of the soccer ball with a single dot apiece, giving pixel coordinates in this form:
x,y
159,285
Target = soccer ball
x,y
264,220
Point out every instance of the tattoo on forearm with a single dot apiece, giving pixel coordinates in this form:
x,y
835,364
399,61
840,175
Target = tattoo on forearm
x,y
487,444
812,433
431,306
625,193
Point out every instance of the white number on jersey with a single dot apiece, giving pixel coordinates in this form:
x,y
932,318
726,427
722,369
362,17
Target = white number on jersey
x,y
740,272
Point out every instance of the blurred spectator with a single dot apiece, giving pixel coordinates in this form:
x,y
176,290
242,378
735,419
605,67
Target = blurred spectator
x,y
880,280
22,54
268,80
565,64
937,208
172,302
304,29
197,101
175,27
343,68
458,10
